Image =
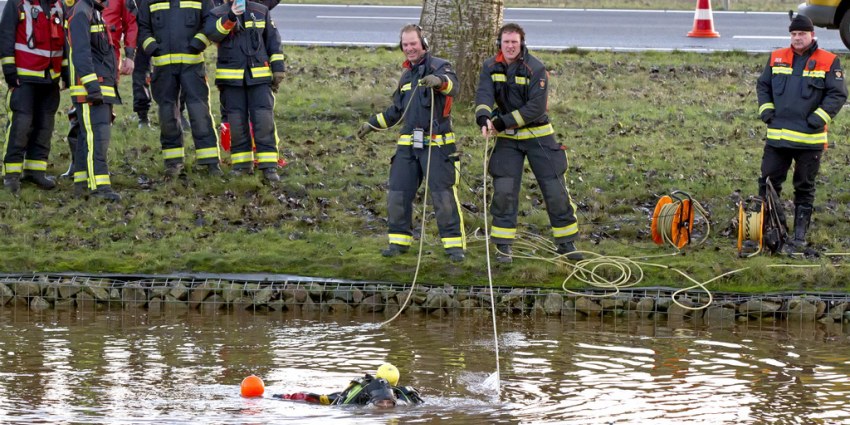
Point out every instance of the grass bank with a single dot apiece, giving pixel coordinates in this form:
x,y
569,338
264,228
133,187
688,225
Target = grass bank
x,y
636,126
754,5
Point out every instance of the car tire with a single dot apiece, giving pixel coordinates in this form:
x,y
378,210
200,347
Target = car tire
x,y
844,29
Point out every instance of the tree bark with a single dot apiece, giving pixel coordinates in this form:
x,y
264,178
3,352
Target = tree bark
x,y
464,33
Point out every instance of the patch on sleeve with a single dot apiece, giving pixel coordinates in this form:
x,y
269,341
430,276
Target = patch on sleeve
x,y
542,84
839,75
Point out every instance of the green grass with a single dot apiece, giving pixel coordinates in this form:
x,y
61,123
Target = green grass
x,y
755,5
636,126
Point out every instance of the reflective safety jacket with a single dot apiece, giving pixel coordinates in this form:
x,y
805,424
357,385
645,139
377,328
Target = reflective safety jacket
x,y
804,92
32,41
122,25
93,66
518,93
248,48
418,114
172,30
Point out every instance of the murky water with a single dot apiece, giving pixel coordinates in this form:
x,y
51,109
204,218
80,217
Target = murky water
x,y
124,367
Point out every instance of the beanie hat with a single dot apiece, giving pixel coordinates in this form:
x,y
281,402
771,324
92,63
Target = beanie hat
x,y
800,23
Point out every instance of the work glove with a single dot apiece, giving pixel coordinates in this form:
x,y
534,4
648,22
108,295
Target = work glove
x,y
276,79
482,120
499,124
815,121
431,81
767,115
364,130
95,98
11,79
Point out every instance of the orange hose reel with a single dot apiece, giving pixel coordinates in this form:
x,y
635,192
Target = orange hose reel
x,y
673,219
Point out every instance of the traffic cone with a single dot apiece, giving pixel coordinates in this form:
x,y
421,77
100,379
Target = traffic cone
x,y
703,22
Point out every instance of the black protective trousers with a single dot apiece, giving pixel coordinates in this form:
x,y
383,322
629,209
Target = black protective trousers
x,y
548,161
90,158
168,84
32,109
141,82
775,165
406,175
254,105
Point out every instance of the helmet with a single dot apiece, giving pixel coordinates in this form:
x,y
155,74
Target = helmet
x,y
388,372
380,393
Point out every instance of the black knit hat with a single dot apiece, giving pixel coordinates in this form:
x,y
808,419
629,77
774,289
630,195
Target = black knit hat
x,y
800,23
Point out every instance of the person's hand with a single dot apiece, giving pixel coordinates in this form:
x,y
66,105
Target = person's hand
x,y
276,79
236,10
127,66
11,79
767,115
486,126
95,98
431,81
364,130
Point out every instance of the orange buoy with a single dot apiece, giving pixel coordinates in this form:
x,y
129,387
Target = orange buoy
x,y
253,386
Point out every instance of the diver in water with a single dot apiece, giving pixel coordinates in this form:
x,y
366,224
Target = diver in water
x,y
378,391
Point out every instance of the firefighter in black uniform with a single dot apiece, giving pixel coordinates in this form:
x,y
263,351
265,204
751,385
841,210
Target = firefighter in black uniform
x,y
516,84
31,50
250,66
93,74
800,91
171,33
412,100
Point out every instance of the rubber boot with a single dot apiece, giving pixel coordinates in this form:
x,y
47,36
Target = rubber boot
x,y
39,178
81,190
70,173
12,182
802,218
106,193
174,169
569,248
456,257
504,254
270,174
215,170
394,249
239,172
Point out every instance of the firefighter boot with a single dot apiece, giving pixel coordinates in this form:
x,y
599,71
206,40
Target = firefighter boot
x,y
239,172
504,254
802,218
39,178
174,169
144,121
270,174
570,250
394,249
456,257
81,190
12,182
106,193
215,170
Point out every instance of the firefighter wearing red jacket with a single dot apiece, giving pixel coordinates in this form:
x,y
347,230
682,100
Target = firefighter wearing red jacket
x,y
31,49
93,74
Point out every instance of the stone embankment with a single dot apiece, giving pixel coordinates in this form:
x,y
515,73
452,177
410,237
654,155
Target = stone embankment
x,y
42,293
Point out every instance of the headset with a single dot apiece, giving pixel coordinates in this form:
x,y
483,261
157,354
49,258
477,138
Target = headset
x,y
422,39
499,38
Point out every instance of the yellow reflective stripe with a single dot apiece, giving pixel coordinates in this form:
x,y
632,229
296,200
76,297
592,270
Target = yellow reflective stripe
x,y
457,204
86,118
277,57
824,116
559,232
267,156
521,80
173,153
78,91
255,24
14,168
814,74
220,27
35,165
229,74
531,132
97,28
520,122
23,16
102,179
177,58
501,232
8,128
108,91
781,70
30,73
766,106
483,107
796,136
238,158
88,78
203,39
405,87
439,140
147,42
7,60
448,86
190,5
452,242
381,121
262,71
80,176
65,62
207,153
400,239
160,6
499,77
54,75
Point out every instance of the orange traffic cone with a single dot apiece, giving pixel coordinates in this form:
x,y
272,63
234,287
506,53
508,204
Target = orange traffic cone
x,y
703,22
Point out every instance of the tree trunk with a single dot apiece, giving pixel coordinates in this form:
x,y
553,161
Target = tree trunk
x,y
464,33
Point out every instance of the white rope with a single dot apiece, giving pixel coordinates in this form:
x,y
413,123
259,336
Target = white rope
x,y
493,380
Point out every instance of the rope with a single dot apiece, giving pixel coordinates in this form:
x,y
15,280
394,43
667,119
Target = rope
x,y
491,381
667,223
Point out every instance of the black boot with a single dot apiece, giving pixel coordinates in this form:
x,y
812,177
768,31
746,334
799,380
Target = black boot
x,y
239,172
270,174
12,182
802,218
106,193
39,178
504,254
394,249
143,120
81,190
215,170
173,169
569,248
456,257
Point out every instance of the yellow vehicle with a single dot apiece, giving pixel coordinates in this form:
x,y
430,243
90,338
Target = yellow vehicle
x,y
830,14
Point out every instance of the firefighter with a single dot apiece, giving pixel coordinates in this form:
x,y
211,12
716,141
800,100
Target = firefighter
x,y
423,76
250,66
516,84
93,74
800,91
31,50
171,32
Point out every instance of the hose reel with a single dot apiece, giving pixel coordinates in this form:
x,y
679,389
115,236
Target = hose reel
x,y
673,219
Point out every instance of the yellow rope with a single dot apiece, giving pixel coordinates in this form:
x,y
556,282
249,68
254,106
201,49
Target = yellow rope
x,y
669,213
